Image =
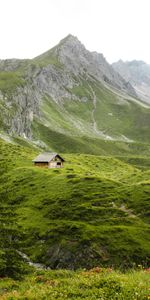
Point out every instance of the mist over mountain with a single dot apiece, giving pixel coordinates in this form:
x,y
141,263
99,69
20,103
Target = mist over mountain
x,y
138,74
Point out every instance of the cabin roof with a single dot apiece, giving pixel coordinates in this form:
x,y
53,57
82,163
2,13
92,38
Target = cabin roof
x,y
46,157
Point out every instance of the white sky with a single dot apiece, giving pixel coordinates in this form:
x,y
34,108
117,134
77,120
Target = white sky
x,y
116,28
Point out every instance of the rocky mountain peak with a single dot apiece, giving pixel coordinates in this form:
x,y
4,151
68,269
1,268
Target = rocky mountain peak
x,y
72,54
69,39
73,57
70,49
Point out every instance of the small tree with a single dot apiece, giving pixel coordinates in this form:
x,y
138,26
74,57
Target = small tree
x,y
11,263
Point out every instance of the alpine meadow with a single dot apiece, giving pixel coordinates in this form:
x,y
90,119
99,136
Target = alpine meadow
x,y
79,228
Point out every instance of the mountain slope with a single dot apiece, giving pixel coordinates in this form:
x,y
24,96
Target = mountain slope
x,y
138,74
72,92
93,212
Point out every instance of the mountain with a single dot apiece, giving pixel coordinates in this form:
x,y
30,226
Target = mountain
x,y
78,61
72,94
95,210
138,74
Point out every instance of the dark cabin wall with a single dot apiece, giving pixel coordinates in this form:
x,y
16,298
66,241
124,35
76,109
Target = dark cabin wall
x,y
41,164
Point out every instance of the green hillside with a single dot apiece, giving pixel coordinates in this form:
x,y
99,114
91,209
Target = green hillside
x,y
93,212
116,117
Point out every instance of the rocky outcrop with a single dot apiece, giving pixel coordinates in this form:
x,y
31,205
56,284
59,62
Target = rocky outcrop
x,y
54,82
27,104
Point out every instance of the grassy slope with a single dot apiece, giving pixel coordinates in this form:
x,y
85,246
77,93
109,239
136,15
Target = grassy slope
x,y
103,284
118,115
115,115
92,212
63,142
9,81
68,127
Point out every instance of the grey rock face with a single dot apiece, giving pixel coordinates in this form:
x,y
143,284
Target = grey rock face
x,y
78,60
53,82
26,104
9,65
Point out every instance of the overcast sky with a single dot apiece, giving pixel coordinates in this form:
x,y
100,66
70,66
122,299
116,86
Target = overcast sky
x,y
120,29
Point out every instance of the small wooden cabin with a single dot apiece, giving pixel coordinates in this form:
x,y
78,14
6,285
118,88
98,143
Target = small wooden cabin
x,y
49,160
